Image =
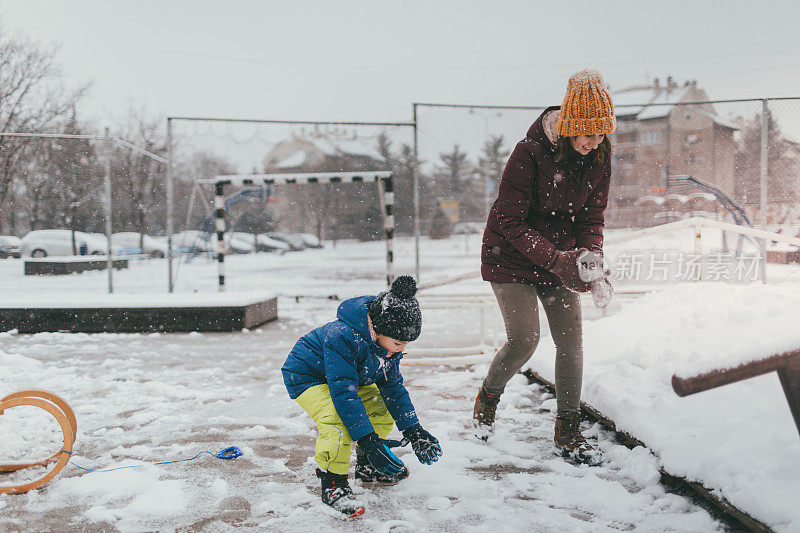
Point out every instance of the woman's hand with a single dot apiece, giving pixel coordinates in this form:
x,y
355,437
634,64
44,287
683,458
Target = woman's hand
x,y
565,266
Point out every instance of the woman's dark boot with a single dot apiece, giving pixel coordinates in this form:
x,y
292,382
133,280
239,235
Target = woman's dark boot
x,y
366,473
483,414
572,443
337,493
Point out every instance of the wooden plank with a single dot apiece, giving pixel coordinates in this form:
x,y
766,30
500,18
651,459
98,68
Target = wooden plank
x,y
725,376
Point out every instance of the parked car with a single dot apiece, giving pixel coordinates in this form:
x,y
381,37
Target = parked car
x,y
294,242
10,246
239,245
193,241
162,240
196,241
311,241
48,242
129,241
262,242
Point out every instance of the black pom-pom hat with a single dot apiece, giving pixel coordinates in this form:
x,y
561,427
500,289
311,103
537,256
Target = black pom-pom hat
x,y
396,313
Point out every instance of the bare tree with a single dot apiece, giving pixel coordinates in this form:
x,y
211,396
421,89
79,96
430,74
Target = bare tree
x,y
139,180
193,203
782,164
32,98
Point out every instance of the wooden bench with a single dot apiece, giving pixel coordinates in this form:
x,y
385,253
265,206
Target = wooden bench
x,y
786,364
57,266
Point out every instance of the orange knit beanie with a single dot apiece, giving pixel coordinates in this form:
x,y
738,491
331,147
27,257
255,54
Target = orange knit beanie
x,y
587,107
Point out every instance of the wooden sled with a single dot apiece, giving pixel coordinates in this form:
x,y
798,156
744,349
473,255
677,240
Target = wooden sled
x,y
62,412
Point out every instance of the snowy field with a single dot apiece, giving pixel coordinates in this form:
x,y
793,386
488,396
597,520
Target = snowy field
x,y
144,398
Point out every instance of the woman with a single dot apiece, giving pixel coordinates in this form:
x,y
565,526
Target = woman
x,y
549,209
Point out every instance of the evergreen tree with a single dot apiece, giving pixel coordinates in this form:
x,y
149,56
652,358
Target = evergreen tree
x,y
407,166
403,166
454,179
490,169
453,172
384,147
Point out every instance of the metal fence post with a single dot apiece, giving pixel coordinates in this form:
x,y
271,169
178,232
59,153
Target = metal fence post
x,y
386,197
763,183
219,214
109,259
170,281
415,177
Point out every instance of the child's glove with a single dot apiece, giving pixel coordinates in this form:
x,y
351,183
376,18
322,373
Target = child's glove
x,y
379,454
424,444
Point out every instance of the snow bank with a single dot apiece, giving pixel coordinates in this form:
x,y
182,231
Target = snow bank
x,y
739,439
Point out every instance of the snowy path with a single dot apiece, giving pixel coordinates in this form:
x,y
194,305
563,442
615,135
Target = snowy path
x,y
164,397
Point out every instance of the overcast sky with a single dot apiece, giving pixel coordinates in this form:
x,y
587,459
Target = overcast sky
x,y
354,60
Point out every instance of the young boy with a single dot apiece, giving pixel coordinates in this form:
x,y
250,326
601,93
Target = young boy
x,y
346,375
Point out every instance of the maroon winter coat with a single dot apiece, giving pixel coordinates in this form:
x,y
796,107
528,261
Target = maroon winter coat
x,y
542,206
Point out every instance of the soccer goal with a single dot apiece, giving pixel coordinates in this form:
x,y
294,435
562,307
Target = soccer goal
x,y
383,179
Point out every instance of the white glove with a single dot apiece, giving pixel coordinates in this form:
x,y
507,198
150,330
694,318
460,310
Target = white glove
x,y
591,270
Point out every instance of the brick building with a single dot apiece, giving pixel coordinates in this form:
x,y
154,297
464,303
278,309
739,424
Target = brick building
x,y
657,136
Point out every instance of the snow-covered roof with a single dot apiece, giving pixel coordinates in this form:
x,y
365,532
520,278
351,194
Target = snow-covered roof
x,y
655,101
336,146
355,147
324,145
663,103
295,160
659,200
628,102
719,120
649,199
702,196
648,102
296,153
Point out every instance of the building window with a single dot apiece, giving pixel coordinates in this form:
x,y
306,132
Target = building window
x,y
651,137
692,138
627,158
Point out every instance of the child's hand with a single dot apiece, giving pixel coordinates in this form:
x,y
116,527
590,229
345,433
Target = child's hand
x,y
424,444
379,454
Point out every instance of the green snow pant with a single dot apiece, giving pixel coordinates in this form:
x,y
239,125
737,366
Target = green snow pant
x,y
333,442
520,310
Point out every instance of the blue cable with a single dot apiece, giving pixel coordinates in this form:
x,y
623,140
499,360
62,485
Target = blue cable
x,y
231,452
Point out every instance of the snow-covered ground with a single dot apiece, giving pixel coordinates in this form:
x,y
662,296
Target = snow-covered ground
x,y
143,398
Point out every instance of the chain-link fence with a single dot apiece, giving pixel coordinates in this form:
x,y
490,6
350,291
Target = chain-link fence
x,y
273,222
72,195
676,156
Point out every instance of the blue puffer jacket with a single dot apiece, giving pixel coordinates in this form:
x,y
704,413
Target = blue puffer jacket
x,y
343,355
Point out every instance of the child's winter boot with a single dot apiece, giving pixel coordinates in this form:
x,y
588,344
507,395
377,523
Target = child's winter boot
x,y
483,414
337,493
366,473
572,443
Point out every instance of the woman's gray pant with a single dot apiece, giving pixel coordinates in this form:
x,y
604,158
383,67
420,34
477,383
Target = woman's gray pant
x,y
520,312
